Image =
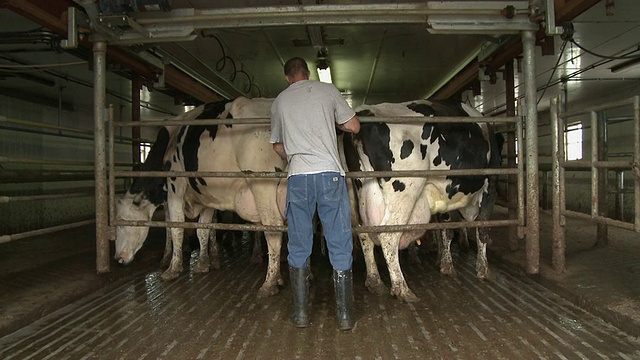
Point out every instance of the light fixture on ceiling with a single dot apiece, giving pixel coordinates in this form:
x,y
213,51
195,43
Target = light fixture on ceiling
x,y
623,66
322,66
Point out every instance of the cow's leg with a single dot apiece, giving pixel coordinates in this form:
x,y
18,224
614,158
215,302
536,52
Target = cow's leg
x,y
273,277
482,265
202,265
214,250
446,261
166,256
175,203
373,282
256,254
399,287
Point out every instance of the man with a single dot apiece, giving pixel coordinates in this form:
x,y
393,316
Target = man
x,y
303,121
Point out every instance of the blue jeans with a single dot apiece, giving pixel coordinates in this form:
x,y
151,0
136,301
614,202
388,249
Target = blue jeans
x,y
328,193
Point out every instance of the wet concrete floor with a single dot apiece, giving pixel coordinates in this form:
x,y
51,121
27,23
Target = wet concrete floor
x,y
133,314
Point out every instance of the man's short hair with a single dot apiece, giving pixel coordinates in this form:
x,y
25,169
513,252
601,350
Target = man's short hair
x,y
294,66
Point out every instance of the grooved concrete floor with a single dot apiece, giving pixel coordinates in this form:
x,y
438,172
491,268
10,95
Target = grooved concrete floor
x,y
132,314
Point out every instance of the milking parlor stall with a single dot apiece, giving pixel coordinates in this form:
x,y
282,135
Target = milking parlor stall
x,y
139,191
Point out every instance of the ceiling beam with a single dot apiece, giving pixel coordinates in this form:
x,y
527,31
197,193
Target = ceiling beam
x,y
52,15
566,10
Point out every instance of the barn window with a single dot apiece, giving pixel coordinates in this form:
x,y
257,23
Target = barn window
x,y
145,147
573,141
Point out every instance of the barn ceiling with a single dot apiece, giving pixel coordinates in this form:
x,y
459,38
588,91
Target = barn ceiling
x,y
379,51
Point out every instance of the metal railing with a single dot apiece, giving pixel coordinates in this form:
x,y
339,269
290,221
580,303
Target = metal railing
x,y
560,212
519,172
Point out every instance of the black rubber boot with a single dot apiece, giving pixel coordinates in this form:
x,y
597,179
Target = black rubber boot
x,y
300,290
343,286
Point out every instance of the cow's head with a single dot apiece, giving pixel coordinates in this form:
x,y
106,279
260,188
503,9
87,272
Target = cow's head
x,y
129,239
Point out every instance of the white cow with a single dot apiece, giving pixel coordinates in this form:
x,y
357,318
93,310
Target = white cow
x,y
223,148
412,200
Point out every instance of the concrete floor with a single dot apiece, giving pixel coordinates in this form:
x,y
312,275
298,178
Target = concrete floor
x,y
60,309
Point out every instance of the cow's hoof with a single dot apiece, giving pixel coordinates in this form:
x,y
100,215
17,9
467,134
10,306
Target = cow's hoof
x,y
170,275
201,268
407,296
485,275
215,264
266,291
377,287
448,270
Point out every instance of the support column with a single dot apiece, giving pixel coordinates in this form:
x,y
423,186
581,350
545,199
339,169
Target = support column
x,y
512,180
100,157
531,138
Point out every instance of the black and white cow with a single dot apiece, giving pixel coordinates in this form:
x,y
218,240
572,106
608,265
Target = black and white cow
x,y
413,200
224,148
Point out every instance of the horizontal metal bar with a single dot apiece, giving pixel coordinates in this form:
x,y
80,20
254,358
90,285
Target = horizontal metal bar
x,y
44,231
9,199
352,174
600,164
606,106
363,119
331,14
359,229
599,219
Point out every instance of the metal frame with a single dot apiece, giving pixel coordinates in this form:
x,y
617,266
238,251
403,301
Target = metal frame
x,y
495,17
560,212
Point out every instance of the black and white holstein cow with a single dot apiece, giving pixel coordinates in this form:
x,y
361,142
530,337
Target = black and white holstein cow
x,y
214,148
412,200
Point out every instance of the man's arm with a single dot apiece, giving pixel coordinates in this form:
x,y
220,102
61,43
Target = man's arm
x,y
279,149
352,125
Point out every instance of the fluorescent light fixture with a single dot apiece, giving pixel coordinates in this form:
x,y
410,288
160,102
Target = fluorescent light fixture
x,y
325,75
624,66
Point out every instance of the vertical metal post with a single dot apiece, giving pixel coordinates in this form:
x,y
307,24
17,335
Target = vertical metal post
x,y
136,85
112,168
636,160
512,191
594,171
619,195
559,244
602,237
99,95
533,230
521,153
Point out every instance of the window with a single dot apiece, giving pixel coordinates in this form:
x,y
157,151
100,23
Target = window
x,y
145,147
573,141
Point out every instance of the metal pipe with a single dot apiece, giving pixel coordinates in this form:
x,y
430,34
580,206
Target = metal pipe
x,y
365,119
558,257
352,174
43,231
636,159
512,187
533,231
374,66
600,107
283,228
599,219
10,199
595,210
111,166
521,196
31,176
52,127
100,170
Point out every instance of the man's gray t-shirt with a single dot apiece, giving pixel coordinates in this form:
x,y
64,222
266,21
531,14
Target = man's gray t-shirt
x,y
303,118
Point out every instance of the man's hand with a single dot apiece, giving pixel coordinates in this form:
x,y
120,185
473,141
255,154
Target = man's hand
x,y
279,149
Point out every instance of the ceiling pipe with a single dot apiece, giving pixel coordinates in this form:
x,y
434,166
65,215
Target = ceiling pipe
x,y
566,10
49,14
